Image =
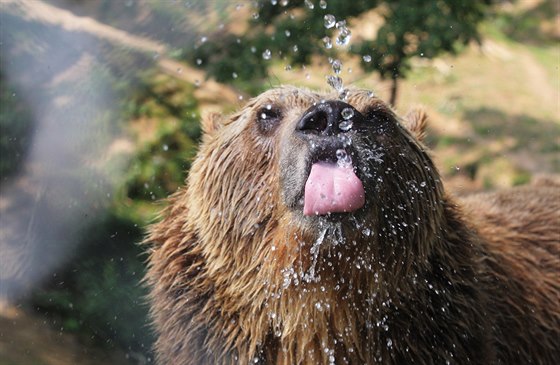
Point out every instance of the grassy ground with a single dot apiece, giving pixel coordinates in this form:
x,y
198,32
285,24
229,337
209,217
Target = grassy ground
x,y
30,340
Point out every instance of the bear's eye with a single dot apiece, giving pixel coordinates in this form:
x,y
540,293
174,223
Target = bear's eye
x,y
268,118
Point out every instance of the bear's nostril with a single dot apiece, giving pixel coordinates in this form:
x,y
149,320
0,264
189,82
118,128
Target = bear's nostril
x,y
316,121
327,118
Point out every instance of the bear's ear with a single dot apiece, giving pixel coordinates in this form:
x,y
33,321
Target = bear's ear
x,y
416,122
211,122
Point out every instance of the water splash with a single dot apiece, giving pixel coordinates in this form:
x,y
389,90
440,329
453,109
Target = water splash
x,y
342,39
310,276
289,276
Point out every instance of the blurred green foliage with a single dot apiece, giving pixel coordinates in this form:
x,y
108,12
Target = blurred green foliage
x,y
167,106
534,26
415,28
294,32
99,294
16,124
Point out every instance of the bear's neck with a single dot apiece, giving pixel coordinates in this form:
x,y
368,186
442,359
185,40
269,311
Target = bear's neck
x,y
273,308
350,311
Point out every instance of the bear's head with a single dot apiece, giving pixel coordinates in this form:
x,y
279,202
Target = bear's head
x,y
299,192
295,171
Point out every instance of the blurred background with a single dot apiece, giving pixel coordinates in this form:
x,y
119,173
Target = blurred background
x,y
100,103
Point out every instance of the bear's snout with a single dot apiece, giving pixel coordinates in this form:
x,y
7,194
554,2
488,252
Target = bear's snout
x,y
329,118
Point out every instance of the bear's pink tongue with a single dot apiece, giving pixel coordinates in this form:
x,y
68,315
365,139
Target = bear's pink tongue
x,y
331,188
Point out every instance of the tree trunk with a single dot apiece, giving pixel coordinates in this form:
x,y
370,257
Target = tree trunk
x,y
394,87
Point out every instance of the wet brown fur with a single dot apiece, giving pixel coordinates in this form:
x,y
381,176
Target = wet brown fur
x,y
471,283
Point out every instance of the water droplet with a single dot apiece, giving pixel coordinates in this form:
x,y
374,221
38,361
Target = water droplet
x,y
323,4
287,33
335,82
330,21
347,113
344,36
341,154
343,160
234,75
367,58
309,4
267,54
327,42
345,125
337,66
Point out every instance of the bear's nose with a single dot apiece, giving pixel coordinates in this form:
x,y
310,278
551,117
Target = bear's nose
x,y
328,118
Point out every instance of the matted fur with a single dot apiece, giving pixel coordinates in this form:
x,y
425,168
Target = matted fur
x,y
238,275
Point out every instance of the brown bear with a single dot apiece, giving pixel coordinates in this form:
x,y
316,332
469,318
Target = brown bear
x,y
315,230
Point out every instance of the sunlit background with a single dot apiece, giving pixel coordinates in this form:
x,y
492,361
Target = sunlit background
x,y
99,120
